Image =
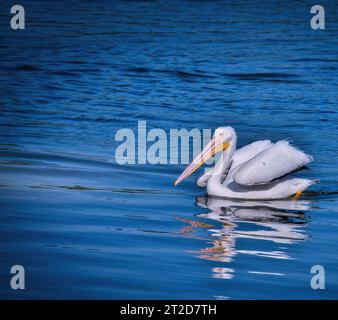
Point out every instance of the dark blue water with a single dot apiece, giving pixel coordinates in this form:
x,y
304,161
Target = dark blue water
x,y
84,226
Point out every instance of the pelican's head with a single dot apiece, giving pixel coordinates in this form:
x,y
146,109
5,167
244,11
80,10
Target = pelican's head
x,y
225,133
221,140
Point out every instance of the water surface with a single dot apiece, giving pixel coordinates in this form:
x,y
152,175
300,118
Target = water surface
x,y
84,226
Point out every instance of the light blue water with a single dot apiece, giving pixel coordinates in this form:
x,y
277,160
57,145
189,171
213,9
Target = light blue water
x,y
84,226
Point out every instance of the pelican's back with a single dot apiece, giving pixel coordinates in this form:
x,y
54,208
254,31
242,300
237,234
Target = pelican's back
x,y
274,162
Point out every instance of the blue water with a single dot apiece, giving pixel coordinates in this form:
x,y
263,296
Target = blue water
x,y
84,226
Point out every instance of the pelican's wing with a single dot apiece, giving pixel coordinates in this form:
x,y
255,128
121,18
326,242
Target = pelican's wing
x,y
249,151
272,163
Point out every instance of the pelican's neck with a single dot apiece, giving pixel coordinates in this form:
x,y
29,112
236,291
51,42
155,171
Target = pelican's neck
x,y
224,161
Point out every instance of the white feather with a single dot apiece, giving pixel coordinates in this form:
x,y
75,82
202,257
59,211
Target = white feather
x,y
240,156
203,179
272,163
249,151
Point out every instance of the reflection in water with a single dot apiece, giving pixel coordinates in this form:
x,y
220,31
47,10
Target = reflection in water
x,y
280,222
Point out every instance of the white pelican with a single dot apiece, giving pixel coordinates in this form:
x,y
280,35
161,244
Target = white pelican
x,y
257,171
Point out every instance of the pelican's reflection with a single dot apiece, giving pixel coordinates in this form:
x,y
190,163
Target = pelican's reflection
x,y
280,222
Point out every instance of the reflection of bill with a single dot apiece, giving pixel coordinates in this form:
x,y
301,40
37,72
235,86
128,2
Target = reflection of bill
x,y
280,222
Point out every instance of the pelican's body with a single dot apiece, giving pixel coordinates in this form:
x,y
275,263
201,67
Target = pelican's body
x,y
257,171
